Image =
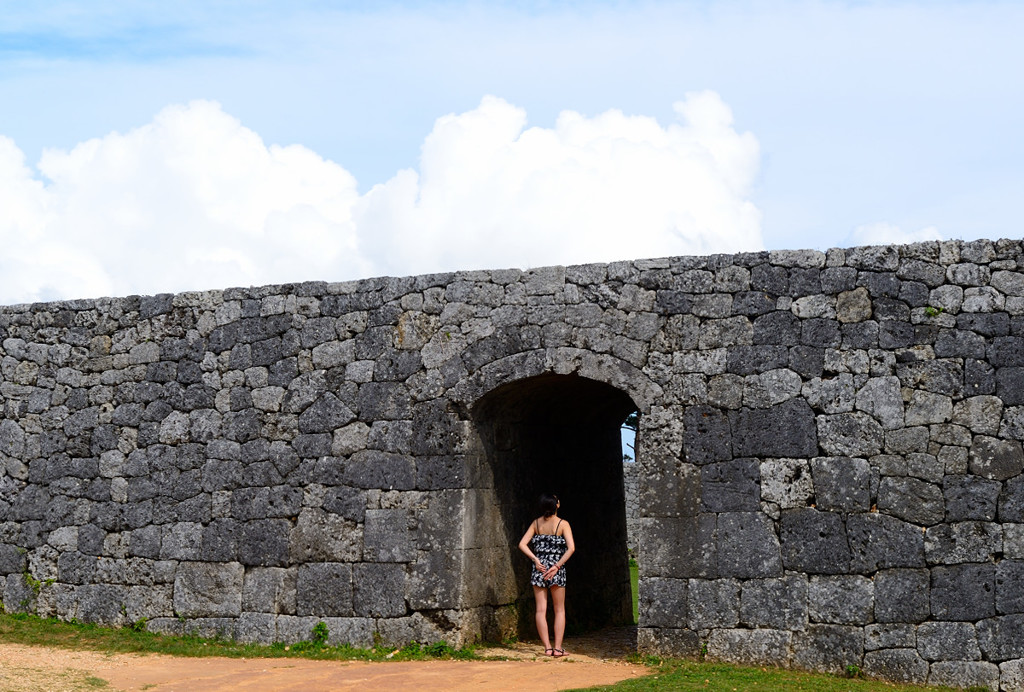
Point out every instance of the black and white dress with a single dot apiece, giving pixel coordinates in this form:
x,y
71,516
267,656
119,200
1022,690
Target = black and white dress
x,y
549,549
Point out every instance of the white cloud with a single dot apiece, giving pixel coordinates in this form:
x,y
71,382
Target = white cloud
x,y
196,200
492,193
883,233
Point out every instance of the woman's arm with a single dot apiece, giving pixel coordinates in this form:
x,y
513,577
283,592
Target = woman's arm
x,y
570,548
524,545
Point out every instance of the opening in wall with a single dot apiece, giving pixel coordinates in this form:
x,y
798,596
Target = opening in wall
x,y
560,434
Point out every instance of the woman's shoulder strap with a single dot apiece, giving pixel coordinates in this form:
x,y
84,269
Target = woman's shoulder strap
x,y
560,520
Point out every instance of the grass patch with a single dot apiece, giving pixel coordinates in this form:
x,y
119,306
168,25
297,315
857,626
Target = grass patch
x,y
634,583
36,631
675,675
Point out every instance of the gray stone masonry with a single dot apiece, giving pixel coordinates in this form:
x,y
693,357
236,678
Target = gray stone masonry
x,y
829,469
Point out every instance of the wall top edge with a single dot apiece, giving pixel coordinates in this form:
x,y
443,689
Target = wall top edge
x,y
865,257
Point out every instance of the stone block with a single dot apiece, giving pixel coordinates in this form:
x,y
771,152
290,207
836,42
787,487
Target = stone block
x,y
996,459
679,547
963,674
785,430
730,486
965,541
380,470
713,603
204,589
675,642
750,647
814,542
963,593
324,589
320,536
378,590
256,628
981,414
748,547
779,603
842,484
882,398
889,636
970,498
850,434
1013,541
1002,638
840,599
926,408
387,536
269,590
706,436
670,488
1010,587
831,395
912,500
1011,501
902,595
786,482
1010,385
948,641
663,602
265,542
897,665
434,581
292,629
828,648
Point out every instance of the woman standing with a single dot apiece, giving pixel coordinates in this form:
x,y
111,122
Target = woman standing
x,y
548,543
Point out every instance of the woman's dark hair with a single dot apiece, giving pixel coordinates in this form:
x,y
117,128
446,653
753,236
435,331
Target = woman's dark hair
x,y
548,504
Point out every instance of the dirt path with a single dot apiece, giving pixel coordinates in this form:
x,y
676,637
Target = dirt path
x,y
595,660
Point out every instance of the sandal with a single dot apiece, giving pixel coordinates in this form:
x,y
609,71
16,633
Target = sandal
x,y
549,652
558,653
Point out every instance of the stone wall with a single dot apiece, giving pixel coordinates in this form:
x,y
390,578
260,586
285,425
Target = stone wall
x,y
828,465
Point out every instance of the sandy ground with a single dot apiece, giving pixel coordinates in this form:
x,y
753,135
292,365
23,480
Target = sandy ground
x,y
594,661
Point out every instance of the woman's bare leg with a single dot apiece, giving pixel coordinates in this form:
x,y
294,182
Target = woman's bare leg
x,y
558,601
540,595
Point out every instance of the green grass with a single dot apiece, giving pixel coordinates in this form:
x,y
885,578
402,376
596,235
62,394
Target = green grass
x,y
33,630
675,675
634,582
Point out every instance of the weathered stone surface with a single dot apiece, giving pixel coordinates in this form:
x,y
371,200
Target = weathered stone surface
x,y
1010,587
842,484
911,499
964,674
890,636
814,542
779,603
966,541
1002,638
749,548
786,430
840,600
787,482
902,595
750,647
713,603
970,497
208,590
946,641
963,592
663,601
996,459
829,648
730,486
324,589
899,665
677,642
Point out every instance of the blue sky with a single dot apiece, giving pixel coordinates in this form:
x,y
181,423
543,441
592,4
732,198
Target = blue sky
x,y
808,124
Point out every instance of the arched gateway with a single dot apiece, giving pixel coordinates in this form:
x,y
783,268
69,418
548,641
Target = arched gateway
x,y
829,465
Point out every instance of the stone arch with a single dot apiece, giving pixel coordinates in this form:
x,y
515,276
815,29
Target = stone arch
x,y
549,420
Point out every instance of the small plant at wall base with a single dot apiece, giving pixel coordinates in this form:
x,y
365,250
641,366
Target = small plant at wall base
x,y
933,312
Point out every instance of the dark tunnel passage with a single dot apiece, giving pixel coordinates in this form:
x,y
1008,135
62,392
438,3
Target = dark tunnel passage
x,y
561,434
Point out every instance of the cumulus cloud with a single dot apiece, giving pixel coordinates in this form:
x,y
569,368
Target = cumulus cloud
x,y
196,200
883,233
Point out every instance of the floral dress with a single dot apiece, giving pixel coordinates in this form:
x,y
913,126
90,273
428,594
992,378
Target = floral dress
x,y
549,549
